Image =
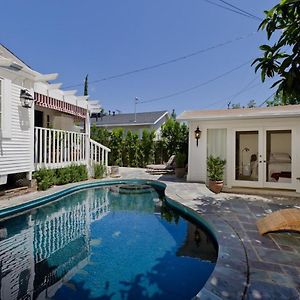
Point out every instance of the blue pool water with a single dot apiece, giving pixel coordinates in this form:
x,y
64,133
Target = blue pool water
x,y
102,244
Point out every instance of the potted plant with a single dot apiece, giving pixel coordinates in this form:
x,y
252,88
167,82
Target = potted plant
x,y
180,159
215,170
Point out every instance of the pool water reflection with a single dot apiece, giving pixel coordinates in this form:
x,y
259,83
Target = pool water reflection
x,y
102,244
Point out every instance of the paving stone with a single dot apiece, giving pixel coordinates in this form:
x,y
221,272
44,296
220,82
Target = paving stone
x,y
260,241
281,257
261,265
292,271
205,294
268,291
249,226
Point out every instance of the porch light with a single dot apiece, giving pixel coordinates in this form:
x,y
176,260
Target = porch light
x,y
26,99
197,135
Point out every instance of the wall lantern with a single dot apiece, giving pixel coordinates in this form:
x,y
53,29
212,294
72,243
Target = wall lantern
x,y
26,99
197,135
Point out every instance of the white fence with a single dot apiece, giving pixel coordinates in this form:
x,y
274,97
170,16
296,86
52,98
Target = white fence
x,y
98,153
58,148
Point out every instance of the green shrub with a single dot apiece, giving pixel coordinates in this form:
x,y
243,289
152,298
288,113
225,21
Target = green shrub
x,y
46,177
62,176
82,173
99,171
77,173
215,168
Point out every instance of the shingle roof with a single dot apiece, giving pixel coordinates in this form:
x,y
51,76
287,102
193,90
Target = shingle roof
x,y
144,118
243,113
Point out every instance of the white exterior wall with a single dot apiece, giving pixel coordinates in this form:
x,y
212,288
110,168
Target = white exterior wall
x,y
198,155
58,120
16,133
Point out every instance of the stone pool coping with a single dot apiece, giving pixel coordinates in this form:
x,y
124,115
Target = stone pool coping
x,y
232,258
232,261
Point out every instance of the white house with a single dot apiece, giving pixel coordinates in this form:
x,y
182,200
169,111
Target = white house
x,y
39,122
261,145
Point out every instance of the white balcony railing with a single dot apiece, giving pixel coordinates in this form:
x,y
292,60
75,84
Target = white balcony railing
x,y
98,153
58,148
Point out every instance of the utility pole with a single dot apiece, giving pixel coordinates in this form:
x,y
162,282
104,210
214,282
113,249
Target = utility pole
x,y
136,100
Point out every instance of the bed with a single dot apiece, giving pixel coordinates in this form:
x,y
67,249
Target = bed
x,y
279,168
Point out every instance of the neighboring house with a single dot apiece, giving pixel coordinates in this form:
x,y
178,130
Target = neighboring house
x,y
134,122
261,145
45,133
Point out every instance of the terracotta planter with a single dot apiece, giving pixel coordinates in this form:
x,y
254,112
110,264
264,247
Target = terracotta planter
x,y
216,186
180,172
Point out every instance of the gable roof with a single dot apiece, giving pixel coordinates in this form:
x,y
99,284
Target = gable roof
x,y
7,53
144,118
243,113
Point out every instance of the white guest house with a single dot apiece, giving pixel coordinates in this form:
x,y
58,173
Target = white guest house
x,y
261,145
39,122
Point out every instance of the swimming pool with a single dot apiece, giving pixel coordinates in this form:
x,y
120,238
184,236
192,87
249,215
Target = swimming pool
x,y
113,242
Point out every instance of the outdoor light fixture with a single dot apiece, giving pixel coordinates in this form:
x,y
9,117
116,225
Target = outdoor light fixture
x,y
197,135
26,99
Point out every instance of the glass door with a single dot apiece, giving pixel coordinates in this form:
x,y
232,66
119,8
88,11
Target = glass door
x,y
263,158
248,159
278,154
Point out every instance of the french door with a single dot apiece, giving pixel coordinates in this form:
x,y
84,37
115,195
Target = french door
x,y
263,158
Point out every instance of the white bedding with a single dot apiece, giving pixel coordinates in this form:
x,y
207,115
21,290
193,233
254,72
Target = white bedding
x,y
278,167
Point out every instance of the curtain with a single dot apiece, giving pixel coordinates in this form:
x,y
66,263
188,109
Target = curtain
x,y
217,142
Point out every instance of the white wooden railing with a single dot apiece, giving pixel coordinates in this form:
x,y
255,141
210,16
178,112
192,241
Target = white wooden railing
x,y
98,153
59,148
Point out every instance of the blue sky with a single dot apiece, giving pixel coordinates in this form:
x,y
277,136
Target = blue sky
x,y
108,37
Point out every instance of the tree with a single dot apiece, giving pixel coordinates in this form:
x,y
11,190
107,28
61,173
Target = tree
x,y
116,146
279,99
86,92
235,105
173,114
282,58
100,135
147,147
251,104
131,149
175,137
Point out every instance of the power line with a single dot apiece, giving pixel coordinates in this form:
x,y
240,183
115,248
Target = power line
x,y
234,95
196,86
260,105
239,11
171,61
245,88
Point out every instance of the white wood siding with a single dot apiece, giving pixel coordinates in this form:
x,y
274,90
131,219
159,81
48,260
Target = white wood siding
x,y
16,151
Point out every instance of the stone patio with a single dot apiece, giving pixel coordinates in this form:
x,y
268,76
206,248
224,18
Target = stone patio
x,y
249,266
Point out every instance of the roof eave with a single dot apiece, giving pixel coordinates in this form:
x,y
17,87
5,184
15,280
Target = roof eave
x,y
256,116
163,115
125,124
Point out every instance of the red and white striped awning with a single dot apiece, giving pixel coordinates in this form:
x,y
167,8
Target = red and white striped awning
x,y
59,105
